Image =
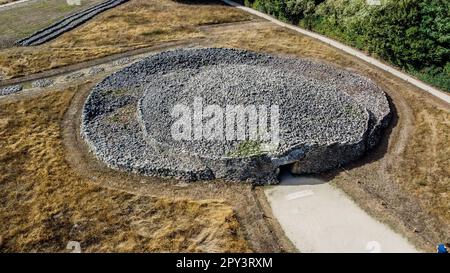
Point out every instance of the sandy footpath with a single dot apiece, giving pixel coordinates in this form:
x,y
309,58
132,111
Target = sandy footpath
x,y
318,217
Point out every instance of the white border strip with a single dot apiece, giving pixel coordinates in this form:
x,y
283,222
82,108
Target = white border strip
x,y
433,91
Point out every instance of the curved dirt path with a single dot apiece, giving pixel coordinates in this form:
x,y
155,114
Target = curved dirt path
x,y
318,217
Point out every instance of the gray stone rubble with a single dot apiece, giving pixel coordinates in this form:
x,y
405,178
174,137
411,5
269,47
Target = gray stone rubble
x,y
96,70
328,116
10,89
121,61
42,83
74,76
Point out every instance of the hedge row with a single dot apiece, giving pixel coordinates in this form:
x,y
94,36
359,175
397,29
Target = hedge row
x,y
411,34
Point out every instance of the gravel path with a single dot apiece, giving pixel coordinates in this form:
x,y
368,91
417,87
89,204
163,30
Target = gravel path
x,y
328,116
68,23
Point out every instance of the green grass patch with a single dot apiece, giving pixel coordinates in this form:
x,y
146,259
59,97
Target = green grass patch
x,y
247,148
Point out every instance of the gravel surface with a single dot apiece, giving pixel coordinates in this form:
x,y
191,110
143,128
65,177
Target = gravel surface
x,y
96,70
10,89
327,116
68,23
42,83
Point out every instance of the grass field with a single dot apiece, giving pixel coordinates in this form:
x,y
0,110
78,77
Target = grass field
x,y
424,169
138,23
19,22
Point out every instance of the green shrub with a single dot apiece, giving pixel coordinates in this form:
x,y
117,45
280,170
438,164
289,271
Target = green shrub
x,y
411,34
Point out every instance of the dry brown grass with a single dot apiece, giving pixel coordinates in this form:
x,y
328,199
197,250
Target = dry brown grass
x,y
424,168
417,163
45,204
266,37
139,23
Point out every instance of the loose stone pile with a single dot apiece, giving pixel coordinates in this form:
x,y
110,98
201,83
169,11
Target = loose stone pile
x,y
42,83
10,89
327,116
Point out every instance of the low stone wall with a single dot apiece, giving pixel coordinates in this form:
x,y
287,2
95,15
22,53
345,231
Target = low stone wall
x,y
68,23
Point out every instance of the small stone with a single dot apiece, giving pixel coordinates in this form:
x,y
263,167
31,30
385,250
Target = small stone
x,y
42,83
74,76
10,89
96,70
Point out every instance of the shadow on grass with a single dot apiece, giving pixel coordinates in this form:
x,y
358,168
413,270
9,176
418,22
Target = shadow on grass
x,y
375,153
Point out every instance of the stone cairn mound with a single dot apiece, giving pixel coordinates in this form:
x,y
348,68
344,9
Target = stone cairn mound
x,y
327,116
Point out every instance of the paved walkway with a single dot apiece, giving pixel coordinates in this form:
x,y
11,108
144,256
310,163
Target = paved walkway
x,y
318,217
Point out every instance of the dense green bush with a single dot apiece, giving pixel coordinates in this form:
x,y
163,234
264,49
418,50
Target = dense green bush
x,y
412,34
288,10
